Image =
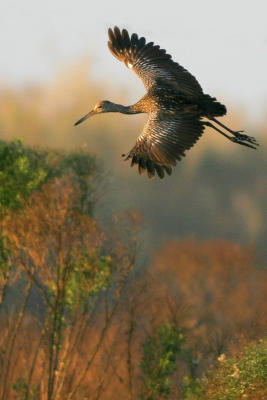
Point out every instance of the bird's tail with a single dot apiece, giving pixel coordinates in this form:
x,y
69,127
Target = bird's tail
x,y
212,107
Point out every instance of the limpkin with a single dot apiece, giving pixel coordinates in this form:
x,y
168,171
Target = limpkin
x,y
175,103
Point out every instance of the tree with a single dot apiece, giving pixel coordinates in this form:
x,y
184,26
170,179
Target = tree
x,y
158,363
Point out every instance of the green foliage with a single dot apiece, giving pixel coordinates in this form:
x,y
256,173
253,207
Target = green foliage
x,y
89,276
83,167
21,172
23,390
241,377
24,170
159,361
192,388
4,257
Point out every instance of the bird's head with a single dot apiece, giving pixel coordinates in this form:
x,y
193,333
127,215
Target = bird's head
x,y
100,107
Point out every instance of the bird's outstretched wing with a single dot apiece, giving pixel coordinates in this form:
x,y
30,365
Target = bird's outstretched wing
x,y
151,63
164,140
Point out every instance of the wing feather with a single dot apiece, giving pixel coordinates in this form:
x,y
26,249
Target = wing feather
x,y
151,63
163,141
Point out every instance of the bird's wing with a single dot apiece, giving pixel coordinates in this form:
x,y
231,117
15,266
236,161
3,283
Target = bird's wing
x,y
151,63
164,140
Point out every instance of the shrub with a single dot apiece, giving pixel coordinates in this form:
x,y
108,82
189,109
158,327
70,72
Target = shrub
x,y
243,376
24,170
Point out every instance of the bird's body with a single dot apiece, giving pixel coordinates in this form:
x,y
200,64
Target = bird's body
x,y
175,103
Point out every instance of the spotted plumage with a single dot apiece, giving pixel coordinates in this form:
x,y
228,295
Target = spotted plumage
x,y
175,103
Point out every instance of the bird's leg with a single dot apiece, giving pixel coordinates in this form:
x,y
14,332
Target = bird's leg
x,y
237,134
232,139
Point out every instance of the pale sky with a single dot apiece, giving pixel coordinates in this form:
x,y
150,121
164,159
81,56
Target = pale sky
x,y
223,43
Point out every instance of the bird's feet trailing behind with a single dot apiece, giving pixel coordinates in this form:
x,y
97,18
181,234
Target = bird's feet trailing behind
x,y
237,137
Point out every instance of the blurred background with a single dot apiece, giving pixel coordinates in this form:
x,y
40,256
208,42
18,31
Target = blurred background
x,y
55,65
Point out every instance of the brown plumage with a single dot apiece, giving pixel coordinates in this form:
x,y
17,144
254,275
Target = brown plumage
x,y
175,103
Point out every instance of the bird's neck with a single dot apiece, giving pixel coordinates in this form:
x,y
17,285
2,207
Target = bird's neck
x,y
134,109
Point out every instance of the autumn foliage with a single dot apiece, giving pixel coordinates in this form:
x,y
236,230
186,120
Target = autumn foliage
x,y
80,318
85,313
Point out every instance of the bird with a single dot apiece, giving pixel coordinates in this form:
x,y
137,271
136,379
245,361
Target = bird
x,y
178,109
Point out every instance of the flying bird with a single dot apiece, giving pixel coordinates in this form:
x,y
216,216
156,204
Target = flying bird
x,y
174,101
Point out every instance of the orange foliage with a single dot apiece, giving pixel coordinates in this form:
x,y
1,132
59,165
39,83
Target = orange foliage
x,y
211,288
221,285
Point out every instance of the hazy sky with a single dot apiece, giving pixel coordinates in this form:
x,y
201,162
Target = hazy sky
x,y
223,43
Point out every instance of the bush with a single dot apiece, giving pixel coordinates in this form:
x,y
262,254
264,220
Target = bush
x,y
243,376
24,170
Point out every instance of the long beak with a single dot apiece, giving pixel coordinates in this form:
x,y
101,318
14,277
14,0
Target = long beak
x,y
90,114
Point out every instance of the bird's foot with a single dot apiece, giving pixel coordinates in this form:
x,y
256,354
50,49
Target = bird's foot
x,y
240,140
241,137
